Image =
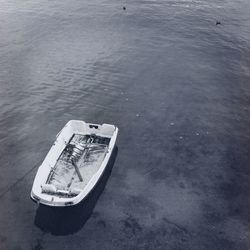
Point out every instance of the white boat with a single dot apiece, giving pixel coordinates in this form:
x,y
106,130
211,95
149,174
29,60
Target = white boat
x,y
74,164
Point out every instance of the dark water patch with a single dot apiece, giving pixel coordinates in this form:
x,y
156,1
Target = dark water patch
x,y
158,175
214,215
177,228
38,246
229,190
131,226
102,223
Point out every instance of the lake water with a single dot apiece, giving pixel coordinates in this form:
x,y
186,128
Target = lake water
x,y
178,87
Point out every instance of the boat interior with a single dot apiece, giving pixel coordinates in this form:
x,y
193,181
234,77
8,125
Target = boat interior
x,y
78,162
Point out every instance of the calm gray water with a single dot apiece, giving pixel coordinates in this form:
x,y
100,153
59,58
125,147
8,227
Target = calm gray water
x,y
178,88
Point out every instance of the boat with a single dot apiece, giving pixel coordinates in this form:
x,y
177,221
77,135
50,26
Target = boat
x,y
74,164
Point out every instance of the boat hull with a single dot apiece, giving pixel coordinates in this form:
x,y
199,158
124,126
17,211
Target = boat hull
x,y
46,189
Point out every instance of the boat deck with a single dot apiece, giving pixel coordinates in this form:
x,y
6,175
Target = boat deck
x,y
79,161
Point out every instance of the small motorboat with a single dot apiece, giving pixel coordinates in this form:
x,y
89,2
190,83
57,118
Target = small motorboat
x,y
74,164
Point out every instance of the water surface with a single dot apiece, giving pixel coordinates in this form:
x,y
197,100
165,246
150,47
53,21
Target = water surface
x,y
175,84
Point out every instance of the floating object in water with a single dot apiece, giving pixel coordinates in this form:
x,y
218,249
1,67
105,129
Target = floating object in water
x,y
124,8
74,164
218,23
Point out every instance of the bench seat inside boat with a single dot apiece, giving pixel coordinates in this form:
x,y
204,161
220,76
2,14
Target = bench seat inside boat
x,y
51,189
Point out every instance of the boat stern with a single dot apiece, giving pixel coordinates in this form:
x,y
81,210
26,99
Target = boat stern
x,y
53,201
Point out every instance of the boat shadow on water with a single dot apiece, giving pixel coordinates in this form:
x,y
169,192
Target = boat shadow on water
x,y
68,220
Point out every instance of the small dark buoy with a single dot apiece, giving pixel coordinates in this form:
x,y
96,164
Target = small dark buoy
x,y
218,22
124,8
